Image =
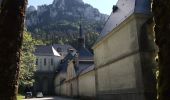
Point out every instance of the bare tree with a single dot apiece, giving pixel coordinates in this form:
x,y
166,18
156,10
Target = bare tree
x,y
12,13
161,10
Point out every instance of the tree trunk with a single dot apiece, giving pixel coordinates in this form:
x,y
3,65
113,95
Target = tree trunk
x,y
161,10
12,14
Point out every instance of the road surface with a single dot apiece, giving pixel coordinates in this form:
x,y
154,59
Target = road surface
x,y
50,98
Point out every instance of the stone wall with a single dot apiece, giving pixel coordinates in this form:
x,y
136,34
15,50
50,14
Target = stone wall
x,y
83,86
44,82
124,64
41,67
125,70
86,85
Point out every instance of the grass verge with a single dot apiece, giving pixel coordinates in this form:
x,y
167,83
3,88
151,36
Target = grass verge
x,y
20,97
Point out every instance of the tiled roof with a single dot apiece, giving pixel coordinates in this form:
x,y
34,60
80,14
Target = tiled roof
x,y
46,50
87,69
64,48
84,54
125,9
64,64
63,67
51,49
55,52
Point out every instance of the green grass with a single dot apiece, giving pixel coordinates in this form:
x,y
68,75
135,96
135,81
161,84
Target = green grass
x,y
20,97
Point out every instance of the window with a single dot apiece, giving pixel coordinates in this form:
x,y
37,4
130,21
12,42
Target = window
x,y
52,61
40,61
59,49
45,62
114,8
36,61
40,66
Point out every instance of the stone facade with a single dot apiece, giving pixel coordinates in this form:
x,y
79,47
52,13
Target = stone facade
x,y
125,71
124,59
71,78
82,85
48,57
86,85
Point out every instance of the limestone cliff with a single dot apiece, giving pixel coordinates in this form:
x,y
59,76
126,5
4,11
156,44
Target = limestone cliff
x,y
62,18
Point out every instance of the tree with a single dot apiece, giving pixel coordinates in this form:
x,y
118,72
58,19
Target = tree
x,y
28,60
12,13
161,9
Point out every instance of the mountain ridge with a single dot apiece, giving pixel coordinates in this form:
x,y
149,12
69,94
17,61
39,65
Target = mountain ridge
x,y
62,18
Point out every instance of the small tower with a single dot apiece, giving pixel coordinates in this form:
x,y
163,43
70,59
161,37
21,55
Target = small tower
x,y
81,39
83,52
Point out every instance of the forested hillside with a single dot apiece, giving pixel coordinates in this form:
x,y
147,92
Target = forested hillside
x,y
59,22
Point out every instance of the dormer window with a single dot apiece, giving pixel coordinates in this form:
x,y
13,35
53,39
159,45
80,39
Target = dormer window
x,y
70,50
59,49
114,8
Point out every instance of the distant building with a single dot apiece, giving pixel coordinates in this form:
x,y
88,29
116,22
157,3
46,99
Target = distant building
x,y
76,72
48,57
58,67
124,54
85,57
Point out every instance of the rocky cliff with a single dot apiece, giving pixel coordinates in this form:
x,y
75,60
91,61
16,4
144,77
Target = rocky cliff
x,y
62,18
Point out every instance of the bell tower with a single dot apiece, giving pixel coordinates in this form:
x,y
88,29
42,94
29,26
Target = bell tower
x,y
81,38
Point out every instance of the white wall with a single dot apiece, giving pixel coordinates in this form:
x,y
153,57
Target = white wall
x,y
119,75
48,66
116,56
87,84
122,40
56,84
75,87
123,71
63,89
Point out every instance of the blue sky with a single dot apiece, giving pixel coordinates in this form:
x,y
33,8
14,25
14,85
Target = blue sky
x,y
104,6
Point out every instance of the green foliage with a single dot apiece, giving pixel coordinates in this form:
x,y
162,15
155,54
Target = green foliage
x,y
28,66
20,97
91,38
63,26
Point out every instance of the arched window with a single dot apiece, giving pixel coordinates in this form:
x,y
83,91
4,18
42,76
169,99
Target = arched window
x,y
45,61
52,62
37,61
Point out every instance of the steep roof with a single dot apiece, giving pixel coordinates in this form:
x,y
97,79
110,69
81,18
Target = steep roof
x,y
63,67
55,52
84,54
64,64
64,47
45,50
125,9
87,69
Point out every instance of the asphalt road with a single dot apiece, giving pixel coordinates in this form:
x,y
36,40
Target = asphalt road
x,y
50,98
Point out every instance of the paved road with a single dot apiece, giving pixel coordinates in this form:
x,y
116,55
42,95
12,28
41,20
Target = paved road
x,y
50,98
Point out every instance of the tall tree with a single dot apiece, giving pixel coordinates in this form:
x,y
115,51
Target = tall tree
x,y
12,13
161,10
28,67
